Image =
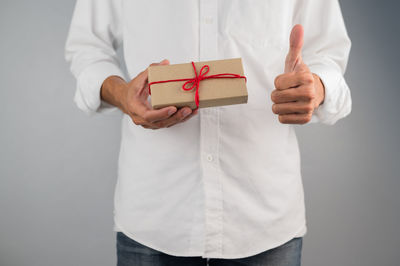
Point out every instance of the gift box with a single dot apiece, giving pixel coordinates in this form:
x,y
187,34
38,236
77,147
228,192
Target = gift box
x,y
198,84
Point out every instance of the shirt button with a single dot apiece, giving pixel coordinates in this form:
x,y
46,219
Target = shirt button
x,y
208,20
209,157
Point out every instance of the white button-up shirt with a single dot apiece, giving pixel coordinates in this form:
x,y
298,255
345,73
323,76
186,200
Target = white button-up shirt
x,y
227,183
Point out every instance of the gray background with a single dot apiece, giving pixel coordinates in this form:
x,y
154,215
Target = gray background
x,y
58,166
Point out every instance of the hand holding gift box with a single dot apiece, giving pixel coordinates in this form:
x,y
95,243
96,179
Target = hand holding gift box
x,y
200,84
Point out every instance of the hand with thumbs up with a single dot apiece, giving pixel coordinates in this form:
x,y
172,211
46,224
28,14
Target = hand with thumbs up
x,y
298,91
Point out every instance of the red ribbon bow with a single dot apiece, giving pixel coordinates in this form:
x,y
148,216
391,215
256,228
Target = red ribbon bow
x,y
196,80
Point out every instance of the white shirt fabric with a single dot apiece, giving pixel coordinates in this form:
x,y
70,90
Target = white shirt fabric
x,y
227,183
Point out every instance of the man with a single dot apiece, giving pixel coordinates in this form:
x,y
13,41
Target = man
x,y
219,185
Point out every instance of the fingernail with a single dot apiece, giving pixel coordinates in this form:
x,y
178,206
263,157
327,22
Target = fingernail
x,y
171,111
186,112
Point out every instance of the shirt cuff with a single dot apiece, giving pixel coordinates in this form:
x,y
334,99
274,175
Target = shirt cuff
x,y
89,82
337,101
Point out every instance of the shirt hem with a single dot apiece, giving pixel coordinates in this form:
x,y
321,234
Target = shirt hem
x,y
119,228
299,233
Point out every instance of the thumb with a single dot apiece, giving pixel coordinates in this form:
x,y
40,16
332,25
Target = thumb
x,y
293,57
143,76
164,62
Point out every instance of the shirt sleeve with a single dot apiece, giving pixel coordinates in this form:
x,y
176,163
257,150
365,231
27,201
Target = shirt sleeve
x,y
326,51
94,36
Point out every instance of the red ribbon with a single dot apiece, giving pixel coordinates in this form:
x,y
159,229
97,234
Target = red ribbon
x,y
195,82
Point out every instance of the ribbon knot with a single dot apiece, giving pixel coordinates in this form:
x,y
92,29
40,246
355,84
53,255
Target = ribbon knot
x,y
195,82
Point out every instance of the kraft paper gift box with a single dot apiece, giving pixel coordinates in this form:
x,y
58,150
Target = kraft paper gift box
x,y
223,84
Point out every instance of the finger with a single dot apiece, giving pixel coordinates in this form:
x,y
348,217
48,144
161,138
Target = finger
x,y
144,75
293,79
137,120
195,112
293,57
163,62
153,115
149,127
293,108
295,118
146,80
179,116
302,93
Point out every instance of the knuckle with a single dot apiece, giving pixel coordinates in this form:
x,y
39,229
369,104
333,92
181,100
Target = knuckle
x,y
282,119
277,81
308,78
274,109
274,96
309,108
306,119
309,94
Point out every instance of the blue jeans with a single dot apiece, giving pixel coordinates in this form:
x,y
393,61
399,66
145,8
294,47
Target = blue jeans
x,y
131,253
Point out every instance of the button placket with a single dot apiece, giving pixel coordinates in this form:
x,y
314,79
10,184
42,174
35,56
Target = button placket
x,y
209,138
